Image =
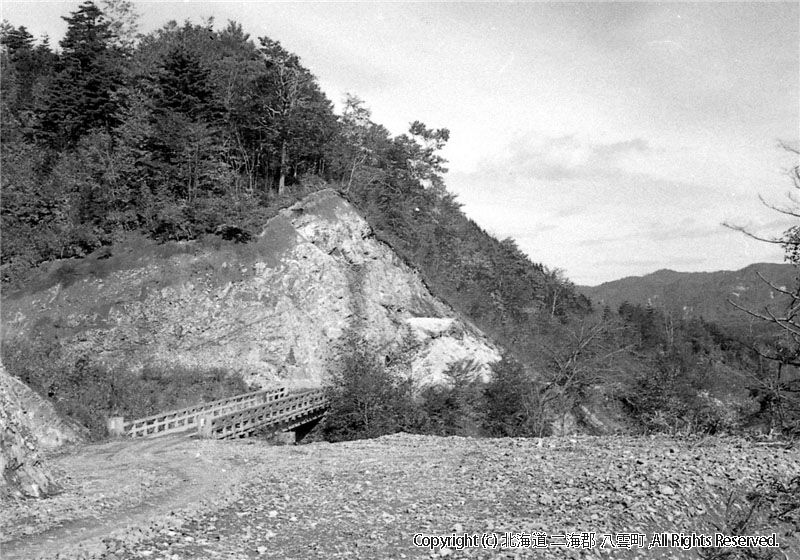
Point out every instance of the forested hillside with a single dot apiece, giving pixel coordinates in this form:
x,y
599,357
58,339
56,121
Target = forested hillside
x,y
704,295
194,131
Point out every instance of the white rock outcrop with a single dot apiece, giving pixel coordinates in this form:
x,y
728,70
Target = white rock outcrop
x,y
275,310
22,472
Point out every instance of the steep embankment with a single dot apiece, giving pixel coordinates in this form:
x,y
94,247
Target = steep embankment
x,y
27,423
275,310
701,294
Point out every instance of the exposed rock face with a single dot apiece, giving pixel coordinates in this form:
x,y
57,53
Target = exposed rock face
x,y
274,310
47,428
22,474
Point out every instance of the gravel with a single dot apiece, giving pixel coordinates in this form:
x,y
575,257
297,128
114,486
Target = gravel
x,y
177,499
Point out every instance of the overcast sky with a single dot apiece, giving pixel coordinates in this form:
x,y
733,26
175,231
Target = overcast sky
x,y
608,139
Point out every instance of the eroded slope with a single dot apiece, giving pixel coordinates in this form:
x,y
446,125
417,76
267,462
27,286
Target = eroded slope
x,y
275,311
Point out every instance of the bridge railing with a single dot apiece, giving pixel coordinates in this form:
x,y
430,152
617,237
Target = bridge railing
x,y
186,418
285,413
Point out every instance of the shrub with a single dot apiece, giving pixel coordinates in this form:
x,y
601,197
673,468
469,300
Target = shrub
x,y
367,399
770,506
89,392
456,407
514,404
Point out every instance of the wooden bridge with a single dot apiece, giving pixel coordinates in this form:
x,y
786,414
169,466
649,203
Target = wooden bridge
x,y
270,410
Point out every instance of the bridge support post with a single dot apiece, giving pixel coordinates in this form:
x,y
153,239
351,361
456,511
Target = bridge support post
x,y
116,425
303,430
204,426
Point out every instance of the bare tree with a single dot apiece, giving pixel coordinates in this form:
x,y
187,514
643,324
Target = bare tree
x,y
787,318
579,355
781,390
291,93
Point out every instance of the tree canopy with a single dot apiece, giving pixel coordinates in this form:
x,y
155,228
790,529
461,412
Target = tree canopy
x,y
192,129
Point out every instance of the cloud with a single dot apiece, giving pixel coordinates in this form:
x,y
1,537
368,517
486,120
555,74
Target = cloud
x,y
564,157
622,148
581,207
663,232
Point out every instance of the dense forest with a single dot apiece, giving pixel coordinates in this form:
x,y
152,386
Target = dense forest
x,y
194,131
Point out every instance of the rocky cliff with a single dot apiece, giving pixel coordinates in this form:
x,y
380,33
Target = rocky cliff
x,y
39,416
26,422
275,310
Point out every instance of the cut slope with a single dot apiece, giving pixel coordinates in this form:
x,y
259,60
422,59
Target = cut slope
x,y
274,311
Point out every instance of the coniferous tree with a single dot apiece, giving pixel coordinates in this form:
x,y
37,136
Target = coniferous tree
x,y
26,69
84,92
184,85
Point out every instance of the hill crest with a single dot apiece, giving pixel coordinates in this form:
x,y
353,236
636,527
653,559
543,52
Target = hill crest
x,y
700,294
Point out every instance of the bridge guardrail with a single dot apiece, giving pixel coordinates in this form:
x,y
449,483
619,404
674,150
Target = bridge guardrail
x,y
186,418
287,412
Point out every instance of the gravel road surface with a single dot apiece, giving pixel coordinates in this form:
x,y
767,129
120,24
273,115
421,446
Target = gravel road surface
x,y
178,498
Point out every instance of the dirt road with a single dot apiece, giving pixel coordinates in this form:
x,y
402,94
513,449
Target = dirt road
x,y
180,499
117,487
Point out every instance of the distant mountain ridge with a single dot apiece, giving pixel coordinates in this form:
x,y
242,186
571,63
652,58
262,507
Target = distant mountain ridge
x,y
700,294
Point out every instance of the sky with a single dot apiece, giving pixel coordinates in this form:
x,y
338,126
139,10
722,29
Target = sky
x,y
609,139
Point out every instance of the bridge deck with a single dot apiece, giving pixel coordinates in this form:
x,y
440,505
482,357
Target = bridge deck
x,y
238,416
286,413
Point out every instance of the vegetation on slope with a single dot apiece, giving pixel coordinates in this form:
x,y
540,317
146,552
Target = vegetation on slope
x,y
701,294
89,392
191,131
